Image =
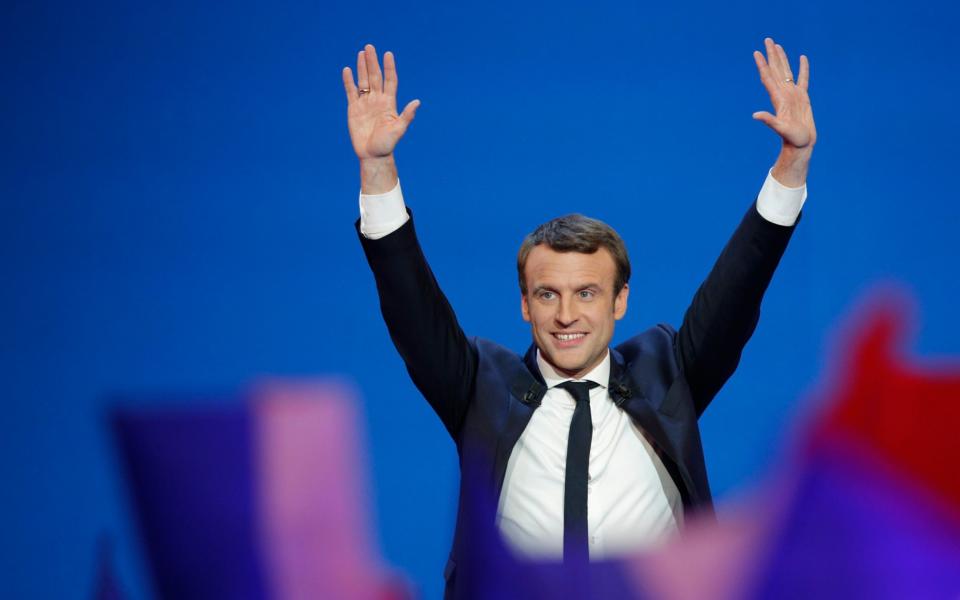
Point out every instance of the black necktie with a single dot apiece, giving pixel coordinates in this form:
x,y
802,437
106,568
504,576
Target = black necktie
x,y
575,546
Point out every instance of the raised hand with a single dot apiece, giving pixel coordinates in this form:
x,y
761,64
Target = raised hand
x,y
793,120
375,127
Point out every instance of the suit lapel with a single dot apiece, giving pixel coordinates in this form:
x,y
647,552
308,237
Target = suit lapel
x,y
662,429
530,360
527,389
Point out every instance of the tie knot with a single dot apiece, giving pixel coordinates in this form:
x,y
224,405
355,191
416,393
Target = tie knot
x,y
580,390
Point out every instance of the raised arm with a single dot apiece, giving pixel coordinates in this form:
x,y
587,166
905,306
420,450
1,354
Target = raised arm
x,y
423,327
724,311
375,127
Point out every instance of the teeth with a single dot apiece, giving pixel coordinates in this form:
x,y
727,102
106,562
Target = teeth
x,y
566,337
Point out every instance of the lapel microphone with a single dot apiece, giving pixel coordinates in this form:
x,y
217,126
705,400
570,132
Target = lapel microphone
x,y
620,392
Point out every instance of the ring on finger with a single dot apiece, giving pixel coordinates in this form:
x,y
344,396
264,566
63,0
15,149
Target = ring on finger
x,y
363,91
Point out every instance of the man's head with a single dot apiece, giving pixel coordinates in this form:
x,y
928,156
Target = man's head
x,y
573,275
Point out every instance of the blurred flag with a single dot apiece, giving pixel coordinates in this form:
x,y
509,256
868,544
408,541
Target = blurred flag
x,y
263,498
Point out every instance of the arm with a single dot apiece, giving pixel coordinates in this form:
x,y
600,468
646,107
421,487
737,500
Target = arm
x,y
724,311
422,325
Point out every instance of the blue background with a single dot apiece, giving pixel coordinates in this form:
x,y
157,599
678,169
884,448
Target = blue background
x,y
178,194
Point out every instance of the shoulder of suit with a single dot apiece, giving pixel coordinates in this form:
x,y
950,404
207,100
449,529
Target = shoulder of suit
x,y
490,350
655,341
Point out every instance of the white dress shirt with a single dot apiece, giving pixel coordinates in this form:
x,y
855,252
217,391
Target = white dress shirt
x,y
632,501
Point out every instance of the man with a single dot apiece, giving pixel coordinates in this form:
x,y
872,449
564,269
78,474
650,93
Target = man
x,y
588,451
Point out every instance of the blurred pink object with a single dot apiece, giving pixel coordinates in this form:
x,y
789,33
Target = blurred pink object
x,y
312,494
716,560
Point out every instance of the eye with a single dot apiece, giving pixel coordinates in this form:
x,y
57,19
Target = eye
x,y
547,295
586,294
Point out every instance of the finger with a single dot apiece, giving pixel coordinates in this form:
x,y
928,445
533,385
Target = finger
x,y
348,86
769,120
803,80
767,78
773,59
762,67
406,117
788,73
363,81
389,74
373,70
764,117
409,112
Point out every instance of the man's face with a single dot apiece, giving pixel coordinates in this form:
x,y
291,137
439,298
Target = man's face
x,y
571,307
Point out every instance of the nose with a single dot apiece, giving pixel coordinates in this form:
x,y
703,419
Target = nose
x,y
566,312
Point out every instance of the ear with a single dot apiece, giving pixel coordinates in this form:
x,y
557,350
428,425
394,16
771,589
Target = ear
x,y
524,307
620,302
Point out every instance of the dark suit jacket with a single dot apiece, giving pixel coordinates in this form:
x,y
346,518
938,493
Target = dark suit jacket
x,y
485,394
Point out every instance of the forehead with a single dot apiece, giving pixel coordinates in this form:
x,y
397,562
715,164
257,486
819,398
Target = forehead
x,y
546,266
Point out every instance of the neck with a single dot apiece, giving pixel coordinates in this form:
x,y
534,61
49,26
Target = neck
x,y
576,373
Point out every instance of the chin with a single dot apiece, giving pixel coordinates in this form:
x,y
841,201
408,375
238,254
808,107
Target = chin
x,y
571,366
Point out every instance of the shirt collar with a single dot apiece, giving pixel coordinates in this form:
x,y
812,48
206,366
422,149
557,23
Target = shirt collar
x,y
600,374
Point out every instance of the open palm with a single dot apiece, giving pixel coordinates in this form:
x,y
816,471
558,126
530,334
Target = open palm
x,y
793,120
375,127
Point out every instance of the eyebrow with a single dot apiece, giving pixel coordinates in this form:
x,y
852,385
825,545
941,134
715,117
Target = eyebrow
x,y
586,286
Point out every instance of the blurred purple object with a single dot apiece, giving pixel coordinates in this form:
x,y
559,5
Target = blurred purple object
x,y
856,530
191,475
262,498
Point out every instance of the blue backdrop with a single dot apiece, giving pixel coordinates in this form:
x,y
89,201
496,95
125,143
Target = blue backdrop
x,y
178,194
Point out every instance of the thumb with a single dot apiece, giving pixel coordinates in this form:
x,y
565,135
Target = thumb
x,y
766,118
409,112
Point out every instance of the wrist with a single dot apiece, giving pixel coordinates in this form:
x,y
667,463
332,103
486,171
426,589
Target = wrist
x,y
378,175
792,166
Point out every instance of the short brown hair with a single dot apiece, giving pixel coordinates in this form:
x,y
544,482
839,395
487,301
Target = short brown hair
x,y
576,233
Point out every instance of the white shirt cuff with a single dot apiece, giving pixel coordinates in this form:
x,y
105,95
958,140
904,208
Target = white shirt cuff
x,y
780,204
382,214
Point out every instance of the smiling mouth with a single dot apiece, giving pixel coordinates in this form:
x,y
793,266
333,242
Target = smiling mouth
x,y
567,340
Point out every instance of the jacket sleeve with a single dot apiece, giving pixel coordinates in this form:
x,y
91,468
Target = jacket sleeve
x,y
726,307
439,357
